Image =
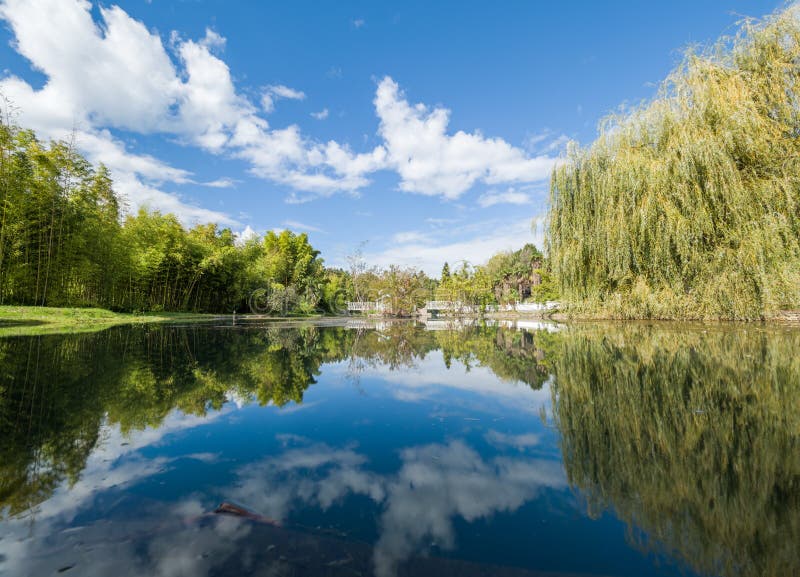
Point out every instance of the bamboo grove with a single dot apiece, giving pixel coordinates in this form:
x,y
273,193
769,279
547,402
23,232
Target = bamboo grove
x,y
64,241
688,206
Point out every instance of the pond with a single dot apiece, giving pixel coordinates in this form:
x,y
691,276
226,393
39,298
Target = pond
x,y
392,449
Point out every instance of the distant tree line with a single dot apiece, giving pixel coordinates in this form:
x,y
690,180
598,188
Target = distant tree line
x,y
66,240
508,277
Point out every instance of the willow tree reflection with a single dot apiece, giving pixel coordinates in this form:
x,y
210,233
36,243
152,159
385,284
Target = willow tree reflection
x,y
691,436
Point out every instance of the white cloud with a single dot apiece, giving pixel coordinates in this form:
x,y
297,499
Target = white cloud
x,y
114,462
410,236
213,40
359,23
321,115
101,146
429,161
286,92
438,222
312,472
86,92
519,442
297,225
486,240
510,196
438,483
546,142
120,77
117,74
241,239
221,183
144,195
278,92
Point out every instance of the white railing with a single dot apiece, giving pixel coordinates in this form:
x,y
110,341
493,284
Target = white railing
x,y
531,307
511,307
442,305
450,306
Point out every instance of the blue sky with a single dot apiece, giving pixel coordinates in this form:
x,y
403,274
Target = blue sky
x,y
420,131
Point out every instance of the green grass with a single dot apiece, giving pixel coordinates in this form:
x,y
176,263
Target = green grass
x,y
22,320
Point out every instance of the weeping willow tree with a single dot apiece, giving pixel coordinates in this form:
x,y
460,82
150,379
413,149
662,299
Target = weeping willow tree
x,y
689,205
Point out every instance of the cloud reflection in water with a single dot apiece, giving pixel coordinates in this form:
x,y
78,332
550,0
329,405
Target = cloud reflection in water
x,y
436,484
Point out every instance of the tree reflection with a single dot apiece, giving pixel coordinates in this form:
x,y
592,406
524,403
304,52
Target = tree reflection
x,y
511,355
57,391
690,436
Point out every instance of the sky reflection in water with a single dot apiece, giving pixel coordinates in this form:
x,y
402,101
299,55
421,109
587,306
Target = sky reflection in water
x,y
398,450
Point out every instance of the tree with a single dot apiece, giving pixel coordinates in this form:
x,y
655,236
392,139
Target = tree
x,y
402,290
687,205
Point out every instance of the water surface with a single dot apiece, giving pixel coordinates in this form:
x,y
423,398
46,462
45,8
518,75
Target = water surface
x,y
401,449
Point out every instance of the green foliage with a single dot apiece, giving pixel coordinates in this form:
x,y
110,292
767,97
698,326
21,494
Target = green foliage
x,y
401,291
445,272
688,206
467,285
690,436
521,275
511,355
507,277
87,381
63,242
290,260
334,291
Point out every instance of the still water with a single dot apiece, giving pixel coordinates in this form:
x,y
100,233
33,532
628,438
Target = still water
x,y
401,449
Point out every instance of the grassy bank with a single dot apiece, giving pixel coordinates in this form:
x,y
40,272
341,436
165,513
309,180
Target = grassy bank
x,y
18,320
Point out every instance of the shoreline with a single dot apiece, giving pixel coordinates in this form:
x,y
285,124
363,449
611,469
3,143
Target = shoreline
x,y
33,320
777,318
